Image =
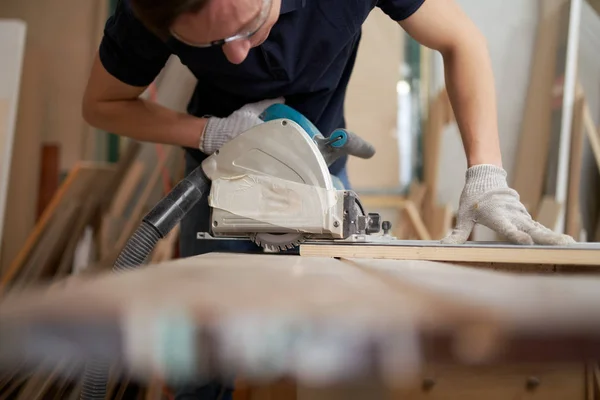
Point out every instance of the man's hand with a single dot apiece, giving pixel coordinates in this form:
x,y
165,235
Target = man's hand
x,y
487,200
219,131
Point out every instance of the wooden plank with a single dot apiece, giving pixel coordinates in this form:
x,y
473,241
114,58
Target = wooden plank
x,y
12,47
88,211
415,219
548,212
595,5
569,95
28,111
49,176
579,254
593,134
439,116
74,186
573,208
534,140
43,257
363,298
125,161
141,203
442,221
6,154
126,190
412,212
529,381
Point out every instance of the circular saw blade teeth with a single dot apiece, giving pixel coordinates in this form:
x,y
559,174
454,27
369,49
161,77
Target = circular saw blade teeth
x,y
278,242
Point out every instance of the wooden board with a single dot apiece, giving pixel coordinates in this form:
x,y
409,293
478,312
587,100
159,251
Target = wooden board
x,y
6,155
587,254
75,187
12,48
532,153
593,134
548,212
573,221
49,176
441,312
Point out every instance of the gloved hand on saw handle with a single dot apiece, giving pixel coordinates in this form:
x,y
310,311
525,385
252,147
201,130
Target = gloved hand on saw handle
x,y
219,131
487,199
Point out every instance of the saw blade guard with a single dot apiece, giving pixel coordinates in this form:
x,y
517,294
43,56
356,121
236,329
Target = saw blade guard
x,y
339,143
273,179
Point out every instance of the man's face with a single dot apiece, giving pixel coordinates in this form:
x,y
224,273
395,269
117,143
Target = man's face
x,y
222,19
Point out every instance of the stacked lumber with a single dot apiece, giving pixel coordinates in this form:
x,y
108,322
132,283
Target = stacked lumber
x,y
538,164
81,229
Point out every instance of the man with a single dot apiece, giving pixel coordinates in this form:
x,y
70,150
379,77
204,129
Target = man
x,y
247,54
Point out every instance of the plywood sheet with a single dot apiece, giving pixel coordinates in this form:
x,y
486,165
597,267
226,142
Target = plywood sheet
x,y
578,254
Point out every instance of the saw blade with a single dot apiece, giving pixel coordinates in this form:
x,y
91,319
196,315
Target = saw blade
x,y
278,241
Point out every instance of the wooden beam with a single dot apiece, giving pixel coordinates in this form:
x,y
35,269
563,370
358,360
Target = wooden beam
x,y
580,254
595,5
534,139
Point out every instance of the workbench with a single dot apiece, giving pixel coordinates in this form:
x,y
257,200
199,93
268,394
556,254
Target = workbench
x,y
402,328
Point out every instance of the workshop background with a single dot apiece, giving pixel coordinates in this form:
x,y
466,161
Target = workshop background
x,y
70,195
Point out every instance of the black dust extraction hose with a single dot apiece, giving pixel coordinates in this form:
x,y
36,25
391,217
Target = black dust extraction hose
x,y
155,225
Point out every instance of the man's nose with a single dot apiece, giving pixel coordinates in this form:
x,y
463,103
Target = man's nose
x,y
237,51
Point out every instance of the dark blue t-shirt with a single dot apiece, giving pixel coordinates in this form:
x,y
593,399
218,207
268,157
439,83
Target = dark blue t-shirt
x,y
307,58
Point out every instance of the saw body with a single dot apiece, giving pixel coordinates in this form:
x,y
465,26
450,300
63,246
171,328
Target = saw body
x,y
272,185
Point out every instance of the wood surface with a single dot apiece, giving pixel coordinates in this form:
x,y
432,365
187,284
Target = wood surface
x,y
534,140
440,115
49,176
76,187
584,254
573,221
486,310
434,297
548,212
593,133
6,155
17,174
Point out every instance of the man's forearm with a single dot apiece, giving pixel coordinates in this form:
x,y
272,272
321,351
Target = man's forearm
x,y
470,85
146,121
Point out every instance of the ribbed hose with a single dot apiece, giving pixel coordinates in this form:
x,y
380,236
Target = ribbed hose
x,y
156,225
137,249
95,378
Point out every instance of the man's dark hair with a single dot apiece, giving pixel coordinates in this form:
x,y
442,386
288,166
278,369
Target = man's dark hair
x,y
159,15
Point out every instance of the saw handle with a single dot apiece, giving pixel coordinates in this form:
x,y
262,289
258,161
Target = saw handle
x,y
354,145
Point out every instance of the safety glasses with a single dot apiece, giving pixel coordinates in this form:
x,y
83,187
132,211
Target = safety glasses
x,y
246,32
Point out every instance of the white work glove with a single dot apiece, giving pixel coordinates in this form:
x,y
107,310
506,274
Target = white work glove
x,y
219,131
487,200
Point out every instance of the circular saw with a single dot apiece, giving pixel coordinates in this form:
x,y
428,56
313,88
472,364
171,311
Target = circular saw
x,y
272,185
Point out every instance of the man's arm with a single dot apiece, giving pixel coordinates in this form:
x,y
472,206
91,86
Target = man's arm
x,y
114,106
441,25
